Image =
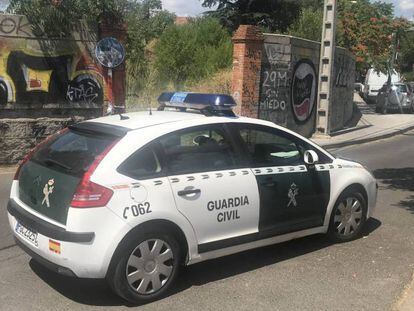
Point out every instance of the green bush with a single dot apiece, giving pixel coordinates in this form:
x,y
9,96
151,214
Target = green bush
x,y
190,52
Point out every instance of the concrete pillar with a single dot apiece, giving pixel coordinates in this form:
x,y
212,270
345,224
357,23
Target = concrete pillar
x,y
326,67
247,61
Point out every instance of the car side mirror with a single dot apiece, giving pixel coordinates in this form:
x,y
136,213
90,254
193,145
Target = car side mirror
x,y
310,157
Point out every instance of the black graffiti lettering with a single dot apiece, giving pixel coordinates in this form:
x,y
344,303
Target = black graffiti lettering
x,y
7,25
84,90
20,27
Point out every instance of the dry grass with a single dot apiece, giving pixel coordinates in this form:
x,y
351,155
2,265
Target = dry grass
x,y
218,83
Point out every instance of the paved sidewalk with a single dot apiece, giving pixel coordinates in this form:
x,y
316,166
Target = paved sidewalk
x,y
370,127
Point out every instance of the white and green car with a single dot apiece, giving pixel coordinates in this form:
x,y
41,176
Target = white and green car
x,y
133,197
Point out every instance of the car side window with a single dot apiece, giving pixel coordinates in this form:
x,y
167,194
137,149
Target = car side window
x,y
198,149
269,148
142,164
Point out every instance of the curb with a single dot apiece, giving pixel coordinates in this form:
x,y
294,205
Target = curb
x,y
366,139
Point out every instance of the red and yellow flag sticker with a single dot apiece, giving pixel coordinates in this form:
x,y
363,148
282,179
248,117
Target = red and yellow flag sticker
x,y
54,246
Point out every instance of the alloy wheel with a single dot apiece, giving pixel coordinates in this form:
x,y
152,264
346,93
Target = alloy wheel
x,y
348,216
149,266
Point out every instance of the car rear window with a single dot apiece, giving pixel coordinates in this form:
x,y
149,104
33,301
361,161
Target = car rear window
x,y
72,151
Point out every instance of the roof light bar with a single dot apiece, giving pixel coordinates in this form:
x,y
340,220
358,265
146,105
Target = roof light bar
x,y
209,104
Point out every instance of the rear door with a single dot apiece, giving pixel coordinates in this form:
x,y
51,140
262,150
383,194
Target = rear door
x,y
211,187
49,179
293,196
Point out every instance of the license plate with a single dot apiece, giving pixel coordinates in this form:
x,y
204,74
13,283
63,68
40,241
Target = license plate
x,y
28,234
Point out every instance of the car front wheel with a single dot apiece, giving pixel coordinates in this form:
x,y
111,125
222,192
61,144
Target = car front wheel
x,y
147,268
348,216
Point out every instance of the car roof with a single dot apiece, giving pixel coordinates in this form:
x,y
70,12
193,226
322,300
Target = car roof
x,y
141,119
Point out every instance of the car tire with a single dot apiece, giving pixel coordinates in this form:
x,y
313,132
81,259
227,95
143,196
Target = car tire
x,y
140,285
348,216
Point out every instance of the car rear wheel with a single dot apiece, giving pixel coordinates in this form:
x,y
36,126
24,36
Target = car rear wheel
x,y
348,216
147,268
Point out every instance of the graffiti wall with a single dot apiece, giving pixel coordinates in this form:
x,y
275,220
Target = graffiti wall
x,y
289,80
41,71
48,83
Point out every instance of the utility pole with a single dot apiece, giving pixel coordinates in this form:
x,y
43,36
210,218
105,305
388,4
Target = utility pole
x,y
326,66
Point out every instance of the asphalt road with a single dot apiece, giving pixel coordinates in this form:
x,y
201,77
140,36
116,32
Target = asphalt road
x,y
306,274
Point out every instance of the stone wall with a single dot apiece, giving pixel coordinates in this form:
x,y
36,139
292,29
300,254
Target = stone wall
x,y
18,136
343,89
282,87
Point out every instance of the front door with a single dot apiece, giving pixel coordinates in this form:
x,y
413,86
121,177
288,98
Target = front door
x,y
212,190
293,196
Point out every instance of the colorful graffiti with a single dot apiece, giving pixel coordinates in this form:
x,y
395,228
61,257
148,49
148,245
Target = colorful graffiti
x,y
43,70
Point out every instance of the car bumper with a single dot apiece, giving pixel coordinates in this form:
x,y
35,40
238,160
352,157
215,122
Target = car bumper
x,y
80,253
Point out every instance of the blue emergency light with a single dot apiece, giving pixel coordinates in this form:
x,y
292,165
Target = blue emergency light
x,y
208,104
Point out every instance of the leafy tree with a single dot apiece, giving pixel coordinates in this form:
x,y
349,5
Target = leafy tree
x,y
192,51
146,21
363,27
58,18
308,25
272,15
366,29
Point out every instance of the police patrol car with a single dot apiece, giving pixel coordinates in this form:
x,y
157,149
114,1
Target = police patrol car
x,y
132,197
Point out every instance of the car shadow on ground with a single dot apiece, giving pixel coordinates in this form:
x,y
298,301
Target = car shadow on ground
x,y
401,179
97,293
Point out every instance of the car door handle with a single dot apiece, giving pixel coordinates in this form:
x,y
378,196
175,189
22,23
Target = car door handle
x,y
187,192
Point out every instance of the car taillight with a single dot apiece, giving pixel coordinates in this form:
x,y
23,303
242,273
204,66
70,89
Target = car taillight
x,y
89,194
33,151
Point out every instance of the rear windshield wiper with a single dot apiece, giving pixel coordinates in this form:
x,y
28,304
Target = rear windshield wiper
x,y
57,163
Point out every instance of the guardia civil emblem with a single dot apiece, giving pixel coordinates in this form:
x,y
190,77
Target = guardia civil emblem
x,y
293,192
48,190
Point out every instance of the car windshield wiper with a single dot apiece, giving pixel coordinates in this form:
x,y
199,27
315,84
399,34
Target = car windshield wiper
x,y
57,163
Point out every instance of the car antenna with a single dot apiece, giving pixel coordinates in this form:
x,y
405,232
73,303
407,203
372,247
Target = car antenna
x,y
122,117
